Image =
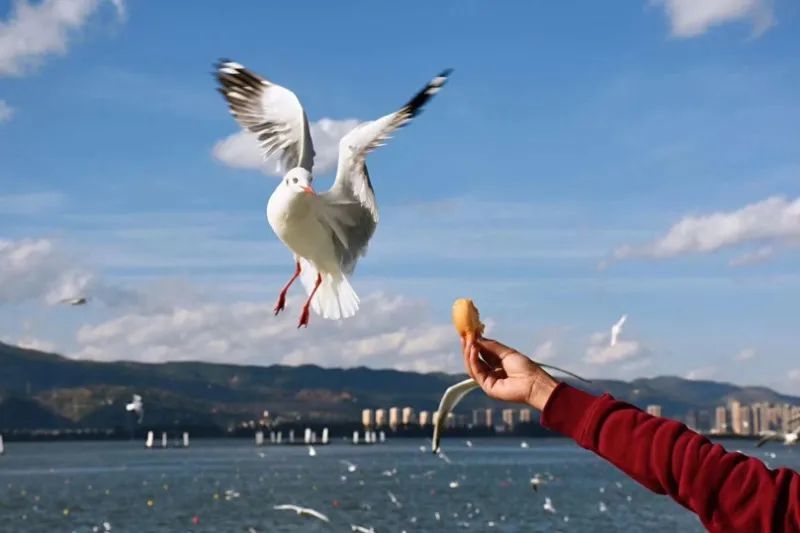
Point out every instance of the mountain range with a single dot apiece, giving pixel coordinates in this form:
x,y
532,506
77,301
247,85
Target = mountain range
x,y
45,391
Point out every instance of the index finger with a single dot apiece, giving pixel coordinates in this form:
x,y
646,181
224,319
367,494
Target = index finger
x,y
494,348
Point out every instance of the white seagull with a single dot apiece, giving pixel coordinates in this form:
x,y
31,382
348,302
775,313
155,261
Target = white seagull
x,y
351,467
450,399
136,406
548,505
302,511
361,529
82,300
455,393
788,438
311,451
327,233
616,330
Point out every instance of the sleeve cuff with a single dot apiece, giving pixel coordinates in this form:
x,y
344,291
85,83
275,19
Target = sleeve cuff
x,y
565,410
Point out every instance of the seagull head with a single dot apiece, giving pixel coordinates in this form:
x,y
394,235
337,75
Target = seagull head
x,y
298,181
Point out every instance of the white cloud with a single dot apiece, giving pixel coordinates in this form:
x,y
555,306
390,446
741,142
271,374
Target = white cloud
x,y
746,354
36,30
775,220
690,18
6,111
40,269
36,269
600,352
388,332
545,351
241,149
753,257
702,373
31,343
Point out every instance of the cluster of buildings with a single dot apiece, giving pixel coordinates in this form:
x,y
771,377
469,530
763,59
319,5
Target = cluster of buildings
x,y
737,418
406,417
753,419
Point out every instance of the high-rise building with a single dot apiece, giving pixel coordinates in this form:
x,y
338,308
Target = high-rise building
x,y
451,421
736,417
747,420
721,420
488,417
380,418
424,418
786,418
507,416
691,420
366,418
654,410
394,417
477,417
524,416
408,416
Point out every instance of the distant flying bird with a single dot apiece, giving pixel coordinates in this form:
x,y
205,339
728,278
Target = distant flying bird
x,y
302,511
788,438
327,233
311,451
602,507
351,467
536,482
75,301
616,330
394,499
137,407
361,529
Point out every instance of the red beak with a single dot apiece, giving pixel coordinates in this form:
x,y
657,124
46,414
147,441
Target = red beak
x,y
309,190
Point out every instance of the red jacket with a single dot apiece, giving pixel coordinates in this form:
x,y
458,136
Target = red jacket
x,y
728,491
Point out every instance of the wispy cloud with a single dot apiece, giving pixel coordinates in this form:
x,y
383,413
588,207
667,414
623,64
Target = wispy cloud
x,y
600,352
241,149
702,373
34,31
6,111
690,18
388,332
775,220
746,354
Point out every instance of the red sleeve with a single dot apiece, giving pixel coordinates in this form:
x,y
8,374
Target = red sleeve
x,y
728,491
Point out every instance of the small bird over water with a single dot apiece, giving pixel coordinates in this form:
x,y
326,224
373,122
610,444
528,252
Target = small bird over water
x,y
327,233
137,407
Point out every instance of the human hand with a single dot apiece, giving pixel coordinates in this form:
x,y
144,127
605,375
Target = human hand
x,y
505,374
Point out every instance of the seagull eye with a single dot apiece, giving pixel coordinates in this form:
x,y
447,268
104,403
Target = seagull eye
x,y
294,180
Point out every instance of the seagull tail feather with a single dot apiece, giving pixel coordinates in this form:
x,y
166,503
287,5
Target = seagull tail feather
x,y
335,299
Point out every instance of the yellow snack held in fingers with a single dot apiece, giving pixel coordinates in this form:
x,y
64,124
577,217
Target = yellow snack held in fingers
x,y
466,318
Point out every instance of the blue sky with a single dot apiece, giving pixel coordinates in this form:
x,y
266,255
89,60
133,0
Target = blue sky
x,y
554,180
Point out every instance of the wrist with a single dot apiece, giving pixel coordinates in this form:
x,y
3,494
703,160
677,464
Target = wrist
x,y
541,389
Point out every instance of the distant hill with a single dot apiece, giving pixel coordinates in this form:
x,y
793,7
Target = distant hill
x,y
43,390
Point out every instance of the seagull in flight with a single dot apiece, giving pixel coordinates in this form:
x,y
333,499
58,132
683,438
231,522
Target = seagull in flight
x,y
82,300
302,511
137,407
789,438
455,393
616,330
327,232
351,467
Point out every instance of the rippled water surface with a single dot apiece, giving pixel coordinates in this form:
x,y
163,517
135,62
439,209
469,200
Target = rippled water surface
x,y
231,485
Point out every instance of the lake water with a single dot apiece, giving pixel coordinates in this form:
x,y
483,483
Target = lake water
x,y
76,486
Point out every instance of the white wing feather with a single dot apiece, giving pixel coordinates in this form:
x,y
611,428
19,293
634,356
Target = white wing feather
x,y
271,112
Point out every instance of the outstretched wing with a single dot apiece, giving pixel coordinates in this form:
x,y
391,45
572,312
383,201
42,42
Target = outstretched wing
x,y
771,435
271,112
450,399
352,210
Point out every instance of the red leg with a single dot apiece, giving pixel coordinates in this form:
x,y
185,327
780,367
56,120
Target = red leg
x,y
282,297
304,315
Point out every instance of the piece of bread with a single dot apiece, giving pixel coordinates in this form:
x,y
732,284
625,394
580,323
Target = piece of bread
x,y
466,318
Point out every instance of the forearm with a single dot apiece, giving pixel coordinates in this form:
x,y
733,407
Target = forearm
x,y
728,491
